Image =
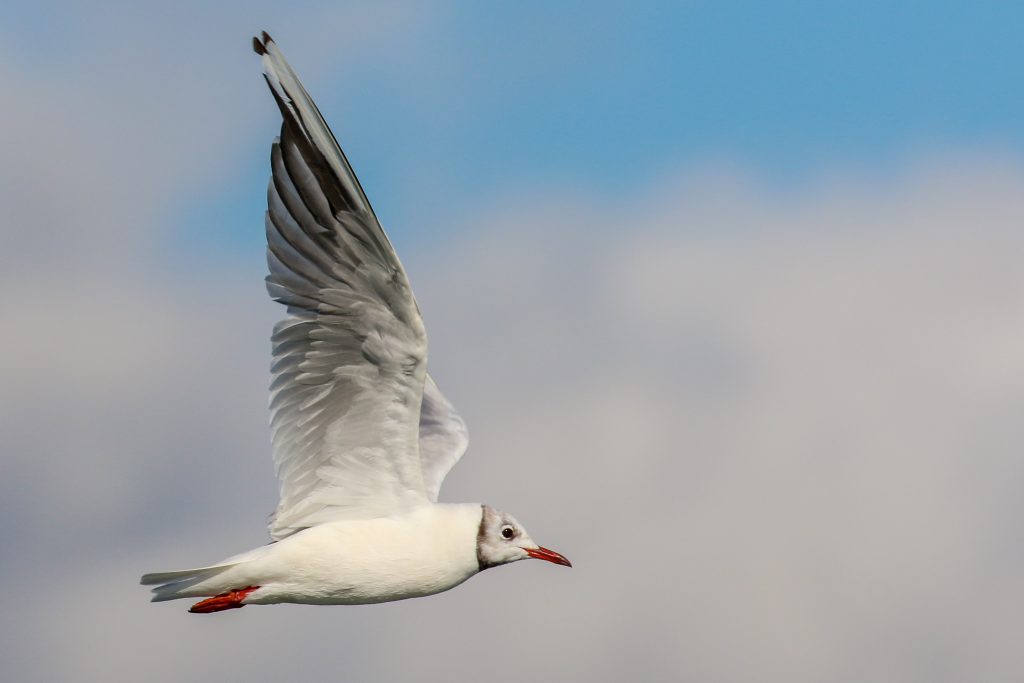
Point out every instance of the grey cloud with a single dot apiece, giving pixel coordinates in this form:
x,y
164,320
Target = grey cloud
x,y
782,447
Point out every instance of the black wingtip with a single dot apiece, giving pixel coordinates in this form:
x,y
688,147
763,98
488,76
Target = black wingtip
x,y
260,46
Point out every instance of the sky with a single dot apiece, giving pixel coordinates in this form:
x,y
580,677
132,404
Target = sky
x,y
729,294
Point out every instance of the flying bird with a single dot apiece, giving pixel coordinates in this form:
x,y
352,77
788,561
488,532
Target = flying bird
x,y
362,436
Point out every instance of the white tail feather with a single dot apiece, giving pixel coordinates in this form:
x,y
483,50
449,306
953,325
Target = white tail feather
x,y
176,584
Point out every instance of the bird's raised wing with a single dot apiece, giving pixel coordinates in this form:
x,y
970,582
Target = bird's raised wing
x,y
443,437
350,357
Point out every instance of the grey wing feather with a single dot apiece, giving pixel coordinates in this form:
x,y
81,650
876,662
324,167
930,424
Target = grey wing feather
x,y
350,357
443,437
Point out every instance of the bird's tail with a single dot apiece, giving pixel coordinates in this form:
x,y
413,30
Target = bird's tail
x,y
179,584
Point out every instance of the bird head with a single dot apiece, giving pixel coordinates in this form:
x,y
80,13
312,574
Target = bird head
x,y
501,539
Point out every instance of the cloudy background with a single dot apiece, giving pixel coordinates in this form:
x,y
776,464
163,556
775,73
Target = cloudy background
x,y
731,298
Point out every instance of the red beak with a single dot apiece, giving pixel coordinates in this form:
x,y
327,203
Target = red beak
x,y
549,555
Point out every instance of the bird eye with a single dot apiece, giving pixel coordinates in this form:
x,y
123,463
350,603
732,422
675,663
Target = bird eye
x,y
507,532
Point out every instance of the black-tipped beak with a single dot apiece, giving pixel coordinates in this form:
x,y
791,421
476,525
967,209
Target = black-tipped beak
x,y
549,555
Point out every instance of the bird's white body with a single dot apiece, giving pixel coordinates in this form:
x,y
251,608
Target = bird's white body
x,y
360,561
362,435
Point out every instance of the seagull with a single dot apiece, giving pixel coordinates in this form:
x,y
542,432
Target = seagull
x,y
362,435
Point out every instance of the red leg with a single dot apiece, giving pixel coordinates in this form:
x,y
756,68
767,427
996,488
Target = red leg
x,y
218,603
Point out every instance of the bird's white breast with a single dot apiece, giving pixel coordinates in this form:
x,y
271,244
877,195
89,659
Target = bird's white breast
x,y
362,561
